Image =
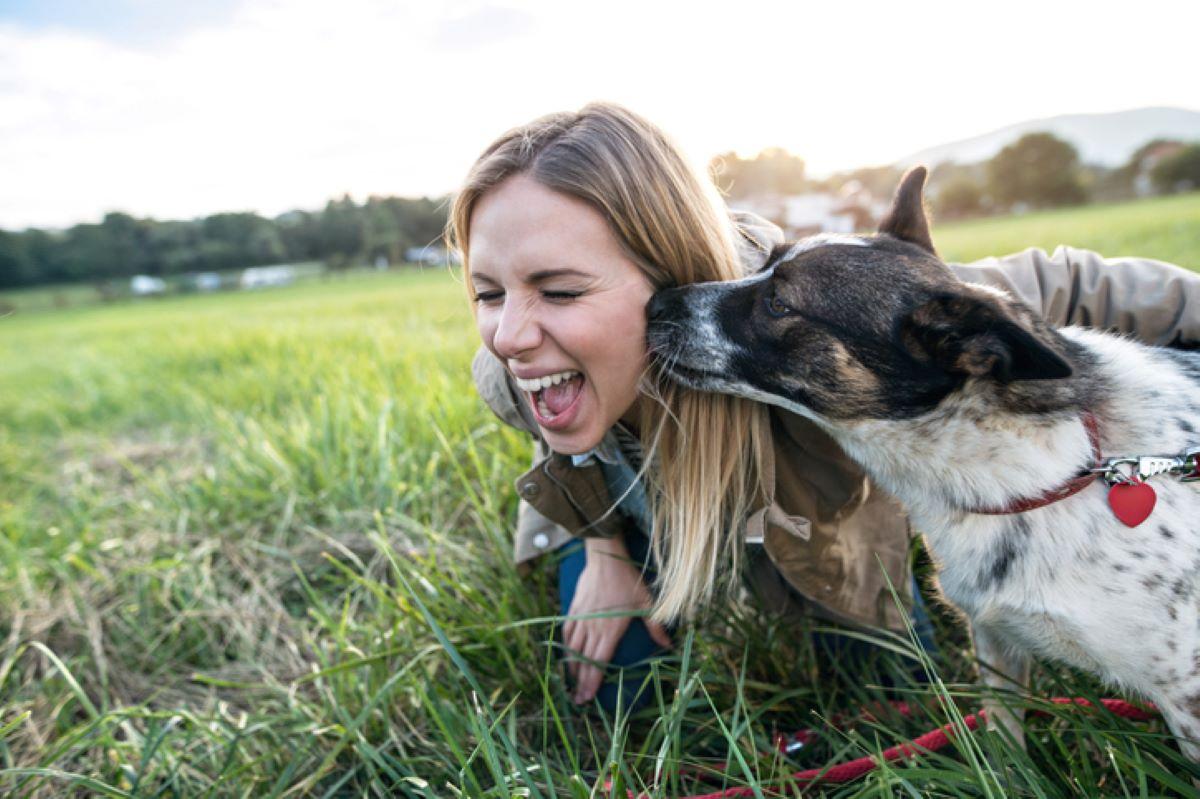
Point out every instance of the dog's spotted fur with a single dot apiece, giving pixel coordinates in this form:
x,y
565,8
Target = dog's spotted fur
x,y
955,397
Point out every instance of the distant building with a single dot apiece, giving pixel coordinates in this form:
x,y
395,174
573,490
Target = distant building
x,y
1143,184
147,286
262,276
430,255
805,214
853,208
204,281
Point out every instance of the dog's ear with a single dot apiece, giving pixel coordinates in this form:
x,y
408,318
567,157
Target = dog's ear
x,y
906,218
976,336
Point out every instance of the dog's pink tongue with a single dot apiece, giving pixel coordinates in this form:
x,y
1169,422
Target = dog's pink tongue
x,y
559,398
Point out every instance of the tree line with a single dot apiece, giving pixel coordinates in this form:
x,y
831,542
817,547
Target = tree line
x,y
1039,170
120,245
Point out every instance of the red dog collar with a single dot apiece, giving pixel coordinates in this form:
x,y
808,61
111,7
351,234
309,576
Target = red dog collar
x,y
1067,489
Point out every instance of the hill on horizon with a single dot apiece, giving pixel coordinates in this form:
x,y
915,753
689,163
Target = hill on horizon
x,y
1106,139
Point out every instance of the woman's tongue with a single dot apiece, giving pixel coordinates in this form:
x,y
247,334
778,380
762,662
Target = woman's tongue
x,y
558,398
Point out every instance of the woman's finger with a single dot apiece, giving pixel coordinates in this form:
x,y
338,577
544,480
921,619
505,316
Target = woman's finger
x,y
598,651
571,634
581,669
602,647
588,682
576,645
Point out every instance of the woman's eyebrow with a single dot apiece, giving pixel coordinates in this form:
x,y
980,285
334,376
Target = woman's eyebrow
x,y
546,274
533,277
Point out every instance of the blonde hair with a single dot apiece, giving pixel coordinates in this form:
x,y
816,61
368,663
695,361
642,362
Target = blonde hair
x,y
673,225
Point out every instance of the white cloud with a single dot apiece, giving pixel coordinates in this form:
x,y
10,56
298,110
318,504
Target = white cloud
x,y
288,104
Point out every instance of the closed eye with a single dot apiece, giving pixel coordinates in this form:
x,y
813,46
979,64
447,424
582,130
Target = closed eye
x,y
489,297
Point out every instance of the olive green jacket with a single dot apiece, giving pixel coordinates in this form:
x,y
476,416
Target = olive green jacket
x,y
826,528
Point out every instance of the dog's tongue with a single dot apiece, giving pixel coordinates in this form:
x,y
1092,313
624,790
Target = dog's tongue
x,y
558,398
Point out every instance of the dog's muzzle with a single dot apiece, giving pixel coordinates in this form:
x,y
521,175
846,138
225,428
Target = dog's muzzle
x,y
682,332
666,305
666,319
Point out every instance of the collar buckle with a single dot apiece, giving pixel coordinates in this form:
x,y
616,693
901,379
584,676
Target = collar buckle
x,y
1191,460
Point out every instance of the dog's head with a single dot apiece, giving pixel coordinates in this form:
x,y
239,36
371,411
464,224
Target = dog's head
x,y
848,327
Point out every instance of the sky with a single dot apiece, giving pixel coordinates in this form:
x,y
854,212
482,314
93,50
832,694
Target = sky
x,y
176,109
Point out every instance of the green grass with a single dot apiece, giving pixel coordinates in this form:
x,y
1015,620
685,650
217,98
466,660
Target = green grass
x,y
259,545
1166,228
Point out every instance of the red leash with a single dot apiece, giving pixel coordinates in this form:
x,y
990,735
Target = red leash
x,y
930,742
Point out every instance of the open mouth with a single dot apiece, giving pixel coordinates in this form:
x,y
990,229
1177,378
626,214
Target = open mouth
x,y
554,398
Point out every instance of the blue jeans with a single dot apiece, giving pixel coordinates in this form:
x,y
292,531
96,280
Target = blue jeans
x,y
636,648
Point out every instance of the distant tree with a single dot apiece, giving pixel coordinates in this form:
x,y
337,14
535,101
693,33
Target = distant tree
x,y
1107,185
176,246
1132,178
383,236
86,253
422,220
44,251
1039,169
300,232
234,240
121,245
1139,155
16,269
1178,172
125,241
961,197
265,245
772,171
343,232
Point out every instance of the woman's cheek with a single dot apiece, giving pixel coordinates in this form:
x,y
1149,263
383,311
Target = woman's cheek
x,y
486,326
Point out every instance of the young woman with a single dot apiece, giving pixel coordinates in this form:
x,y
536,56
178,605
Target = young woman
x,y
567,226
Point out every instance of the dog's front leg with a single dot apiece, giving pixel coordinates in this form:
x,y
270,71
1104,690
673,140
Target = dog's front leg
x,y
1001,667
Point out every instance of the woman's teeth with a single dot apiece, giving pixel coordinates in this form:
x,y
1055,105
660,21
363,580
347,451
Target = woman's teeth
x,y
538,383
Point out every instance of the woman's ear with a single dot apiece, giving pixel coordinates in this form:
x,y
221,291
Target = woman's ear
x,y
977,337
906,218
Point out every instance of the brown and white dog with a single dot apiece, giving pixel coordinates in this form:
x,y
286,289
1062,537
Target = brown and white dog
x,y
982,419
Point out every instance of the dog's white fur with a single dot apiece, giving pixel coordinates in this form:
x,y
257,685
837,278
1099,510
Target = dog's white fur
x,y
821,240
1120,602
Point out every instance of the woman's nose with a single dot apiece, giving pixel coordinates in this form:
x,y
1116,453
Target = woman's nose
x,y
517,331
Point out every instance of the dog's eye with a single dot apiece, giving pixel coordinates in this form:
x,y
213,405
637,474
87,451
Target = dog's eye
x,y
777,307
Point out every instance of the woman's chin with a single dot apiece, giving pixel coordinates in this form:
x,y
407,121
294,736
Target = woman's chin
x,y
575,443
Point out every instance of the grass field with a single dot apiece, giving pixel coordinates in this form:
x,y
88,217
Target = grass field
x,y
258,545
1166,228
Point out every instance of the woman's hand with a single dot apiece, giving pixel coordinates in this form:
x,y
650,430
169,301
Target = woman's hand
x,y
608,582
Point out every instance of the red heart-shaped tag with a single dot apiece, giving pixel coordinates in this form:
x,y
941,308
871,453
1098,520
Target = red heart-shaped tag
x,y
1132,502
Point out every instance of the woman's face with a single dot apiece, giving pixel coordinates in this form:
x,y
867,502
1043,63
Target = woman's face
x,y
562,307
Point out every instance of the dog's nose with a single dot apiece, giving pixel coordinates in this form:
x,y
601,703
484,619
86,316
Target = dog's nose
x,y
661,303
